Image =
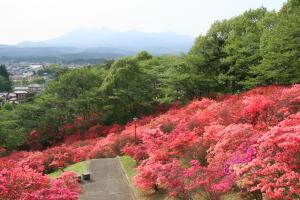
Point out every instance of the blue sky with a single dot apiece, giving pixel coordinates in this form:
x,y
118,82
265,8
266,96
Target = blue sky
x,y
43,19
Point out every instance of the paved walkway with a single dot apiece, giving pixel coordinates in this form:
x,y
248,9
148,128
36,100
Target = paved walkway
x,y
108,181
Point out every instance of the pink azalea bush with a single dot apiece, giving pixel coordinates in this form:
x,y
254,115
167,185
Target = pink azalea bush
x,y
27,184
248,142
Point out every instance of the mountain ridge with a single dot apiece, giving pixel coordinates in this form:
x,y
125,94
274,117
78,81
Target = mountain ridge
x,y
98,44
165,42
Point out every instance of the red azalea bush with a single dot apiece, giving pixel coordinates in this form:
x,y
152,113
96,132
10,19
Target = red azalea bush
x,y
63,188
16,182
247,142
27,184
275,170
163,173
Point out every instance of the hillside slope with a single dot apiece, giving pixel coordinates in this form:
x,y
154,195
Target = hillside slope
x,y
248,142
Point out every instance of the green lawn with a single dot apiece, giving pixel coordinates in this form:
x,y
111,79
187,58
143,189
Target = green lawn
x,y
79,168
129,165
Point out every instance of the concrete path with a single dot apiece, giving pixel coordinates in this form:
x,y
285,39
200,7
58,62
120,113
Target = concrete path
x,y
108,181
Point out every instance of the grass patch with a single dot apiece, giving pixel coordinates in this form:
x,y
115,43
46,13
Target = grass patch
x,y
129,165
78,168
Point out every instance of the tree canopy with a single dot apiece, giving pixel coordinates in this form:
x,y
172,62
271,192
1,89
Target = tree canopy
x,y
255,48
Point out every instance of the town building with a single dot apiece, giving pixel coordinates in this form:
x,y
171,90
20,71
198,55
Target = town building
x,y
34,88
22,88
21,95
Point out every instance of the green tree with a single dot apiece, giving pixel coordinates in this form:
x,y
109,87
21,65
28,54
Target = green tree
x,y
73,94
143,55
11,134
8,106
242,47
126,91
280,48
206,57
2,84
172,78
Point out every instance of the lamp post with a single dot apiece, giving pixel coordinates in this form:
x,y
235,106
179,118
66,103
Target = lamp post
x,y
135,119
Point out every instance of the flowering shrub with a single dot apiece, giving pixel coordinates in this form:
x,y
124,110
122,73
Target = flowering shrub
x,y
138,152
249,142
34,161
18,181
27,184
63,188
275,170
161,173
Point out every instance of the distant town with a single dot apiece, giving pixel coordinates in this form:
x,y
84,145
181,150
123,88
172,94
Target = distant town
x,y
28,79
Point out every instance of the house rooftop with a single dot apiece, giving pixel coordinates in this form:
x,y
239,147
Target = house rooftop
x,y
12,94
21,88
35,85
21,92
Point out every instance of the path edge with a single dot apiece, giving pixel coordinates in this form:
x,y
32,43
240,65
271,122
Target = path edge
x,y
127,178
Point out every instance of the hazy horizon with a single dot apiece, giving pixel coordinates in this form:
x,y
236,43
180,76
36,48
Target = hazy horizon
x,y
38,20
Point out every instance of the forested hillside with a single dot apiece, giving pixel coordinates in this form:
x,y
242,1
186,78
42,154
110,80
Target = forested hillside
x,y
254,49
222,118
247,143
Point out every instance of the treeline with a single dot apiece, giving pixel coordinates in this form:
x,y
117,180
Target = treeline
x,y
255,48
116,91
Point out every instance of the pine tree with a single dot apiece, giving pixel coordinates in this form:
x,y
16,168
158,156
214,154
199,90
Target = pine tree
x,y
280,49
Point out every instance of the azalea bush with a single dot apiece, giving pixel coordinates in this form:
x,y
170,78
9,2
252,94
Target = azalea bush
x,y
27,184
248,142
275,169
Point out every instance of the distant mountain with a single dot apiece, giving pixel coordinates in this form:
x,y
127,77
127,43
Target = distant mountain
x,y
96,44
128,41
